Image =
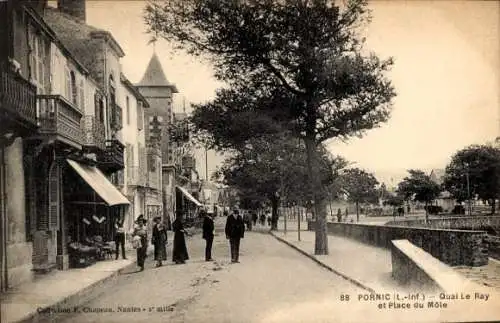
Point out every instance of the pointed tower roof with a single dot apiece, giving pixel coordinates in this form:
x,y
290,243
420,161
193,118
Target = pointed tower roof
x,y
155,76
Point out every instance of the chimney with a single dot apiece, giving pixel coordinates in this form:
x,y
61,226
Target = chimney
x,y
75,8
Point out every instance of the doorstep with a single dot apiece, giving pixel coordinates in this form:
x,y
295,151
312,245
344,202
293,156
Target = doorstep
x,y
60,289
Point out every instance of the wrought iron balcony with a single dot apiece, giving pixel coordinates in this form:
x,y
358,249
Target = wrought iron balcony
x,y
137,176
111,159
94,133
60,120
17,103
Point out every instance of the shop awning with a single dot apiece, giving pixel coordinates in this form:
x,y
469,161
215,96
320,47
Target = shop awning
x,y
189,196
101,185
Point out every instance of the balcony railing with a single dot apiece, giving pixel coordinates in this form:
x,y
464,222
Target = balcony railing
x,y
18,97
111,160
137,176
94,134
59,118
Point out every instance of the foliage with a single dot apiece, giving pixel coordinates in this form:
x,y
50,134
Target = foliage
x,y
481,164
302,58
360,186
418,186
394,200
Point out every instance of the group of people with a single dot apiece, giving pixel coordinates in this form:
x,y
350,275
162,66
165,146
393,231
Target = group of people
x,y
234,230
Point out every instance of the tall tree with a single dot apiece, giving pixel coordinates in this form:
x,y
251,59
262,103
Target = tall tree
x,y
360,186
312,50
273,169
418,186
474,171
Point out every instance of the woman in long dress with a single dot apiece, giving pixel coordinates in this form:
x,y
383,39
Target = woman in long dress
x,y
179,253
159,241
141,232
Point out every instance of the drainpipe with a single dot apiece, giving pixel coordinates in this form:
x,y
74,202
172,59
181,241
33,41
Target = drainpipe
x,y
3,224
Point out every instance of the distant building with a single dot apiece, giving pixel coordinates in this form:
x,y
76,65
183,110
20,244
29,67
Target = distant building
x,y
445,200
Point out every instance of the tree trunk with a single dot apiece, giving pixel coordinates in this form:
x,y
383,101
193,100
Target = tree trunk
x,y
274,213
357,211
321,238
426,212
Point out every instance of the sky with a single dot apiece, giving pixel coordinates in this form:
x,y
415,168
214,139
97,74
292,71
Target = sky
x,y
446,75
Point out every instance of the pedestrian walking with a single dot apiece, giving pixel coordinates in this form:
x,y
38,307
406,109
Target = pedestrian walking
x,y
159,241
140,240
269,220
208,235
254,218
119,238
235,231
179,252
262,219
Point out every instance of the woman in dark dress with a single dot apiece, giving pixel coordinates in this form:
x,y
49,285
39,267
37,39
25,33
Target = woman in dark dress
x,y
141,232
159,240
179,253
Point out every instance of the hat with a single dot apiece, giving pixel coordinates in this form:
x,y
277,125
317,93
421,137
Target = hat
x,y
140,218
236,211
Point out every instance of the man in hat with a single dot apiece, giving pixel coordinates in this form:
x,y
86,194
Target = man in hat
x,y
235,230
208,235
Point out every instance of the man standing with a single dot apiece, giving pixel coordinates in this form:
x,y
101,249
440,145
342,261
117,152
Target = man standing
x,y
235,230
119,238
208,235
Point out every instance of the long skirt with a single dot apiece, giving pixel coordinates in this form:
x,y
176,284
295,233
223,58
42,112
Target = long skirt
x,y
160,252
179,253
142,252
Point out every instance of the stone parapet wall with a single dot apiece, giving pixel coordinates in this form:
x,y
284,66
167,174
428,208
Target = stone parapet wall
x,y
408,270
453,247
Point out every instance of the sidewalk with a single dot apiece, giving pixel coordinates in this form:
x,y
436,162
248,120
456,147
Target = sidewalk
x,y
69,287
367,266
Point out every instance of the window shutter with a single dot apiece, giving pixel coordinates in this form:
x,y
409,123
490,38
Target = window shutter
x,y
81,95
54,197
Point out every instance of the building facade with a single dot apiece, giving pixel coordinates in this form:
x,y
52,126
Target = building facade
x,y
67,113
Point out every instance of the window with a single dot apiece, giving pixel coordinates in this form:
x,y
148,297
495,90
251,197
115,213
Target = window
x,y
127,107
140,116
74,90
37,58
81,95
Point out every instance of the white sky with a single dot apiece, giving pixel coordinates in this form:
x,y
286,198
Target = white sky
x,y
446,74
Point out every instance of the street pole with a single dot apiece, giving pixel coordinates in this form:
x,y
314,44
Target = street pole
x,y
206,164
298,221
281,195
468,191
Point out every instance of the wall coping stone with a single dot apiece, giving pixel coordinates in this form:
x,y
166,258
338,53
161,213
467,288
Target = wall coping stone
x,y
443,275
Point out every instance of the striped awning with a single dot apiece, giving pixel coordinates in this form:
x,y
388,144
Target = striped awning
x,y
99,183
189,196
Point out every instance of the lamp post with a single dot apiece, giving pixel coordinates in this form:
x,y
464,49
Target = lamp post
x,y
279,159
469,207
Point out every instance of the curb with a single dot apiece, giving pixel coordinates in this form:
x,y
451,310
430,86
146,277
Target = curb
x,y
320,263
80,297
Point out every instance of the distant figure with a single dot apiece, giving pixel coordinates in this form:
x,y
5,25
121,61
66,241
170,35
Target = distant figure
x,y
119,238
248,221
235,231
208,235
179,252
269,220
140,240
408,209
262,219
346,213
339,215
159,241
254,218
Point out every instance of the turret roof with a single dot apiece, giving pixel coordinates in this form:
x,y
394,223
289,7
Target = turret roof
x,y
155,76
